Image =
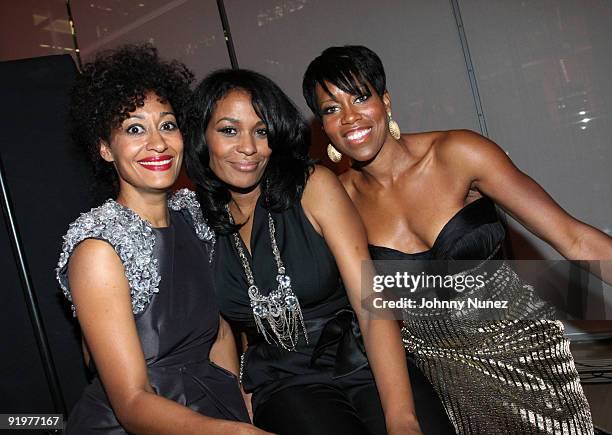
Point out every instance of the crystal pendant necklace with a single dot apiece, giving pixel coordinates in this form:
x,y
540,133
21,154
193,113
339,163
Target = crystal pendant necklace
x,y
280,309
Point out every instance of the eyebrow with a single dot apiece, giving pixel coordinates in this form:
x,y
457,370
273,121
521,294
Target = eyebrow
x,y
328,100
331,97
142,117
226,118
237,121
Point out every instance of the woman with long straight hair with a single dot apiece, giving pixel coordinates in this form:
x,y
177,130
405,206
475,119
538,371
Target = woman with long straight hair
x,y
287,267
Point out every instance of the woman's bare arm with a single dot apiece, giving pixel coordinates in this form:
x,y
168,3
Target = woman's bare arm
x,y
223,352
101,296
333,215
494,174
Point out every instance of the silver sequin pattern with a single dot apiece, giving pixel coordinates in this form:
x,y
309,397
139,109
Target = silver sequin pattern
x,y
512,375
186,199
133,240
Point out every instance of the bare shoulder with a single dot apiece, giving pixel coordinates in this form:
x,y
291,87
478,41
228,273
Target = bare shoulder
x,y
323,196
322,189
94,262
420,146
94,251
464,142
321,181
466,147
420,143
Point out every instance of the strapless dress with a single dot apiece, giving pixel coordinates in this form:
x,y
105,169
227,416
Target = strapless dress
x,y
513,374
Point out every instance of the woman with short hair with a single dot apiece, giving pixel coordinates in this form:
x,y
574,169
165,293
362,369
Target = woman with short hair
x,y
432,196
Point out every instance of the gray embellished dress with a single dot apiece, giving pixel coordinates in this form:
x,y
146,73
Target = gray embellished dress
x,y
174,308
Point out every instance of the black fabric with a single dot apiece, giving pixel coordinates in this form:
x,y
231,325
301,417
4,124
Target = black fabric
x,y
47,181
323,409
308,261
324,360
332,359
342,333
429,409
471,234
176,331
354,409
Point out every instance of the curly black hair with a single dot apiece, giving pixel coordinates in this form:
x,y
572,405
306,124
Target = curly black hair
x,y
289,166
114,84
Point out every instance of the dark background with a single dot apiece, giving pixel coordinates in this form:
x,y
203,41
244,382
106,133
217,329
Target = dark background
x,y
48,185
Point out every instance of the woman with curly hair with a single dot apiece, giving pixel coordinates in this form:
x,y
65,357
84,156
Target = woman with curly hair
x,y
136,268
288,266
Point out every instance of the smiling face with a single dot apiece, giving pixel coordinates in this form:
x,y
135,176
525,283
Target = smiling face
x,y
356,124
146,149
237,141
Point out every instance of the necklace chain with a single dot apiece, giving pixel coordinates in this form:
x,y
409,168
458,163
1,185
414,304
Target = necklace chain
x,y
280,309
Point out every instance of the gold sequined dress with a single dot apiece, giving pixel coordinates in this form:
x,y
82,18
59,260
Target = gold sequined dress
x,y
512,375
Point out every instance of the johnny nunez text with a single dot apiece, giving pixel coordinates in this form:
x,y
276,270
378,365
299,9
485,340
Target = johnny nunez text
x,y
406,303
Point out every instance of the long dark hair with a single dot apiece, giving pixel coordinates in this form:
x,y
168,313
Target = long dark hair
x,y
289,166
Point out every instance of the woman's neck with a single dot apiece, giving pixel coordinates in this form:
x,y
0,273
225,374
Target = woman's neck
x,y
244,203
152,207
387,165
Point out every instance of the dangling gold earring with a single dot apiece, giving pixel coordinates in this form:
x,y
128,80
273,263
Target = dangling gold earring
x,y
394,128
333,154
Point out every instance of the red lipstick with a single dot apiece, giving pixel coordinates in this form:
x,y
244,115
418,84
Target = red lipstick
x,y
157,163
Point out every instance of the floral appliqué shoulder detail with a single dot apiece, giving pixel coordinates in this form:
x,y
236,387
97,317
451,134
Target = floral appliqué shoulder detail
x,y
133,240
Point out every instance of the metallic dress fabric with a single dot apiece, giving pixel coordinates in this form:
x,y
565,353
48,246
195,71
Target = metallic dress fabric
x,y
504,376
133,239
510,373
175,312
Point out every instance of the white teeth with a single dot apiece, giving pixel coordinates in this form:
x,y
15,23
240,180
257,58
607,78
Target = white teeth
x,y
157,163
356,135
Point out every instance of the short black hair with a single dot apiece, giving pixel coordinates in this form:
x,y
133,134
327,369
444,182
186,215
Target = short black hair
x,y
114,84
350,68
288,136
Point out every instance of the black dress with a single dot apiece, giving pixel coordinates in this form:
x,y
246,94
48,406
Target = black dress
x,y
176,329
325,386
511,375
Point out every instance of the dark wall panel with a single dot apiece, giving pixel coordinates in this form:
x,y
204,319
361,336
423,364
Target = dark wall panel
x,y
48,183
21,371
